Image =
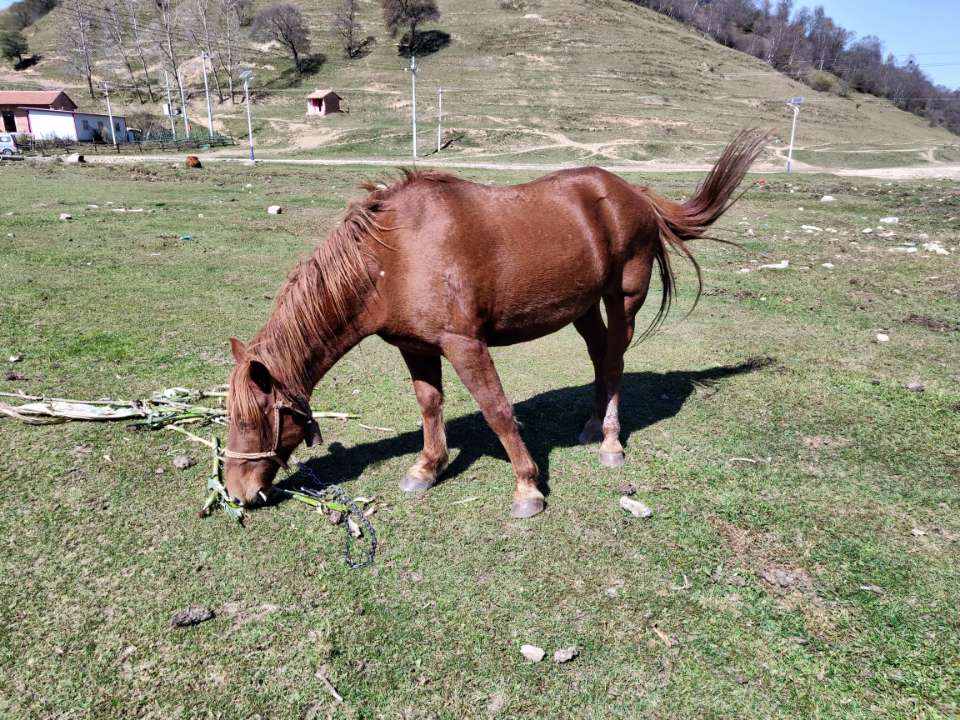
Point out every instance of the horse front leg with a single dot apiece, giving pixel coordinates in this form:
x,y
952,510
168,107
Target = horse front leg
x,y
471,359
427,378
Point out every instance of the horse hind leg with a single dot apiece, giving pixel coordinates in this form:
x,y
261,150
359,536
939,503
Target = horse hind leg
x,y
426,372
471,359
621,312
594,332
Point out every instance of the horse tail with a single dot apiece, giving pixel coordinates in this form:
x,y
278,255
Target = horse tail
x,y
679,222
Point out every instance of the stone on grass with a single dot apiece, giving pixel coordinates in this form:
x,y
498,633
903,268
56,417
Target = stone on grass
x,y
182,462
827,265
66,216
274,210
890,220
935,248
782,265
883,337
191,616
916,387
73,159
532,653
626,488
635,507
565,655
828,198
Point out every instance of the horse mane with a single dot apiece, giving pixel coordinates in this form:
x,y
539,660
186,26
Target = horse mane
x,y
319,297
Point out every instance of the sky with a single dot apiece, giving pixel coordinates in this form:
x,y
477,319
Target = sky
x,y
927,29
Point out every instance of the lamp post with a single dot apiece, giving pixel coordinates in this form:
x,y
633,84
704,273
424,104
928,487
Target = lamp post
x,y
795,103
247,76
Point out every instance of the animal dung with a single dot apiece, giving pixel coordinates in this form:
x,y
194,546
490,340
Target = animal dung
x,y
191,616
565,655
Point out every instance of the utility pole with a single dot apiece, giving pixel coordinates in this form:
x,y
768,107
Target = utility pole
x,y
113,133
247,76
173,123
439,117
183,105
795,103
413,105
206,90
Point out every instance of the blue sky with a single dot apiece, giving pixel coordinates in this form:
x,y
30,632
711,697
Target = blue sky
x,y
927,29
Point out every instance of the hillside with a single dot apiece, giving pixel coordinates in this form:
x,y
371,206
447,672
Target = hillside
x,y
564,81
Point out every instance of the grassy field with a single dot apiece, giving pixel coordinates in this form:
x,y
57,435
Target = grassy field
x,y
598,81
802,559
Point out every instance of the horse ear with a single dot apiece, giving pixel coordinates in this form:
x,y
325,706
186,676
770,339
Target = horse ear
x,y
238,349
261,377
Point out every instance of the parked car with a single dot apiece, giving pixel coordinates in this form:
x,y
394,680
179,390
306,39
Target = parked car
x,y
8,145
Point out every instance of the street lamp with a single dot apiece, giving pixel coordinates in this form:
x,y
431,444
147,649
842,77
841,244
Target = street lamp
x,y
795,103
247,76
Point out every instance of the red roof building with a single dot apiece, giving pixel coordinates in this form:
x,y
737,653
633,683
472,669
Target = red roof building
x,y
14,105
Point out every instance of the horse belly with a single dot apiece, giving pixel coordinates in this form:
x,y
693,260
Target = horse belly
x,y
543,302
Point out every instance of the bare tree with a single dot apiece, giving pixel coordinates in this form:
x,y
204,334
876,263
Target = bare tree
x,y
115,34
133,10
232,15
203,30
166,38
404,16
77,41
349,30
283,23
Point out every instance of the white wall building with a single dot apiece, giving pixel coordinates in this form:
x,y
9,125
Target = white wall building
x,y
75,125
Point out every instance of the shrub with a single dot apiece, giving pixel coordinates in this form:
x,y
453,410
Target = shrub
x,y
822,81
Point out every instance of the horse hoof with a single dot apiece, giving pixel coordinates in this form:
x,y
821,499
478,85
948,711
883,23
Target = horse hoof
x,y
612,459
527,508
412,484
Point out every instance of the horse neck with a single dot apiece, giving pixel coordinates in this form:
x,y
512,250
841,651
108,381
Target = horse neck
x,y
300,358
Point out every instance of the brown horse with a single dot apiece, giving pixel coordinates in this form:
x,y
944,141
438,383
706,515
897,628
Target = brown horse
x,y
439,266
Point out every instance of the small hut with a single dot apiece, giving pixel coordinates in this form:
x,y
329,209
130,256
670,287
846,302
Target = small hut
x,y
323,102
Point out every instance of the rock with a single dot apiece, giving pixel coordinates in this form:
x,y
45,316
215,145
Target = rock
x,y
811,228
532,653
12,375
917,532
783,577
73,159
890,220
626,488
274,210
15,358
182,462
935,248
194,162
867,231
635,507
828,198
191,616
915,387
335,517
565,655
66,216
782,265
883,337
875,589
828,266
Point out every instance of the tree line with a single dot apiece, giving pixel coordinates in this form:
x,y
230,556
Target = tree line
x,y
141,46
810,46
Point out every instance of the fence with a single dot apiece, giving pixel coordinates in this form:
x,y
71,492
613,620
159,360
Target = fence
x,y
32,146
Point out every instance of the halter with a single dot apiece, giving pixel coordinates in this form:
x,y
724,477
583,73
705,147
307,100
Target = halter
x,y
272,454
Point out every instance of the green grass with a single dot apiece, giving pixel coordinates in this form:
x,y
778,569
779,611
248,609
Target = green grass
x,y
98,549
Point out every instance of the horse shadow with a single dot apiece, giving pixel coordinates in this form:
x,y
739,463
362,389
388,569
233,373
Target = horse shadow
x,y
549,420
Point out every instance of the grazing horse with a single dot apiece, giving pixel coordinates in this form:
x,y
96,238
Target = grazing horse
x,y
439,266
